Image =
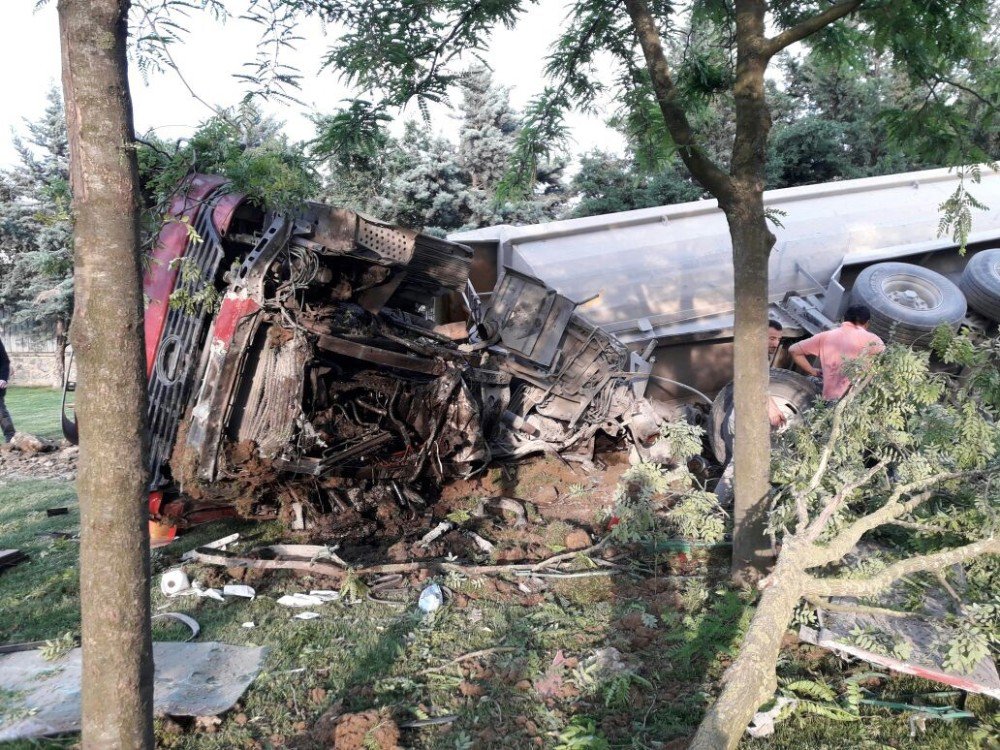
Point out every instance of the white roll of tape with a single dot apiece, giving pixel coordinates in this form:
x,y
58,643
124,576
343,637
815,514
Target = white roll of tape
x,y
174,581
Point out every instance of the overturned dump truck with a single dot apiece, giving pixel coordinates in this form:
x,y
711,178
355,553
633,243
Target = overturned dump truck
x,y
662,279
294,356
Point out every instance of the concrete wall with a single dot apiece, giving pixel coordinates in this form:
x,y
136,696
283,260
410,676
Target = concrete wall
x,y
32,355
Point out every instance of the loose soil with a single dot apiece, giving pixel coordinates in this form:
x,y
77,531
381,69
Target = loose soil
x,y
57,461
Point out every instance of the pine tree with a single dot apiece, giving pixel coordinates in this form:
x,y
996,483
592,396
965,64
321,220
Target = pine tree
x,y
427,181
36,241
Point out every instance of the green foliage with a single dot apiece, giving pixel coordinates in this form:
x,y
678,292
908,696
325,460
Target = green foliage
x,y
633,501
205,298
428,181
956,211
879,641
971,636
698,515
581,734
606,184
811,689
241,144
36,240
683,438
917,422
57,648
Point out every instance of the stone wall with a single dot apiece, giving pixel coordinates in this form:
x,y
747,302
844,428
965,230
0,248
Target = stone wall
x,y
32,355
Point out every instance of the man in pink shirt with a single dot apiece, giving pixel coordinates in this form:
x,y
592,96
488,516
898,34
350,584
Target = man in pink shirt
x,y
850,341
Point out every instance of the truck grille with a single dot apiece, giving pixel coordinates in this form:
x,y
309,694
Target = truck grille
x,y
179,350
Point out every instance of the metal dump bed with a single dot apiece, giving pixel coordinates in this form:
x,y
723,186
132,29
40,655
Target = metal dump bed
x,y
667,272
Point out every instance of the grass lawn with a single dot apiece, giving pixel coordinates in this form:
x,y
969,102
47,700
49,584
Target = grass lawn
x,y
676,634
36,410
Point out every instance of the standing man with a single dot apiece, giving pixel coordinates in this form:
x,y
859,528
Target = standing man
x,y
834,347
6,423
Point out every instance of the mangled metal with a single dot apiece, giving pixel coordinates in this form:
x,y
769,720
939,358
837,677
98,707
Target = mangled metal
x,y
322,344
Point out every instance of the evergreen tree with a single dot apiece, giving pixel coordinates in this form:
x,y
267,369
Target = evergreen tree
x,y
36,244
427,181
489,126
432,188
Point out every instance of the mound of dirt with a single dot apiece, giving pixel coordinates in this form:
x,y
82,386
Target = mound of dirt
x,y
365,731
29,457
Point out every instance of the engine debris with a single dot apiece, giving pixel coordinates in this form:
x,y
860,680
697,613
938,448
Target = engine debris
x,y
333,376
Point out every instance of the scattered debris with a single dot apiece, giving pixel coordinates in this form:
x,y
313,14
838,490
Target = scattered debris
x,y
218,544
762,723
484,544
205,593
191,679
11,557
508,504
249,625
319,384
55,464
236,589
56,511
182,618
604,664
306,616
325,595
432,722
442,528
301,600
893,636
28,443
174,581
431,599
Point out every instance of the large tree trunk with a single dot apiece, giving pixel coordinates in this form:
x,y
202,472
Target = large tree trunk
x,y
107,337
750,681
752,432
752,242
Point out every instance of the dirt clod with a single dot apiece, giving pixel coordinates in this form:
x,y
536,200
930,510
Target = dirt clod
x,y
365,731
470,689
577,539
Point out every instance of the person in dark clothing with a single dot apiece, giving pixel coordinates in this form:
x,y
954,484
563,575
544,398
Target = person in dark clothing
x,y
6,423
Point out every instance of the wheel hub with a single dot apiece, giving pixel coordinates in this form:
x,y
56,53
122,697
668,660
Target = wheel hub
x,y
908,298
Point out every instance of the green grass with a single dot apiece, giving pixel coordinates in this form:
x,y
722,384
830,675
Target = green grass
x,y
39,598
36,410
378,655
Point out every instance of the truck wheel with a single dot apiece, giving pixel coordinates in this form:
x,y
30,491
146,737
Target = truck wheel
x,y
908,302
981,283
793,393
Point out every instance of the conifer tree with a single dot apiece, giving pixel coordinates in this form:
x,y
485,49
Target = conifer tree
x,y
36,286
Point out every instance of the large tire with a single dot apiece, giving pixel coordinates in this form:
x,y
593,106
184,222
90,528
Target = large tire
x,y
908,302
980,283
794,393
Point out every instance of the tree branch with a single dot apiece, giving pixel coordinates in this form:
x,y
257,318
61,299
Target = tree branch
x,y
967,90
861,587
813,532
844,542
824,460
810,26
715,180
857,609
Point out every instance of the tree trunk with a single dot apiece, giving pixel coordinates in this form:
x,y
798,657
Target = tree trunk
x,y
752,242
59,371
107,337
750,681
752,432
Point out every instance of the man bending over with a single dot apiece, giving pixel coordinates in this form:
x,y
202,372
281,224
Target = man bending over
x,y
835,347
